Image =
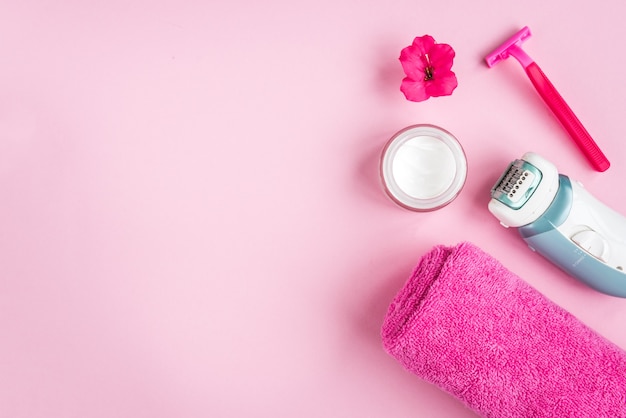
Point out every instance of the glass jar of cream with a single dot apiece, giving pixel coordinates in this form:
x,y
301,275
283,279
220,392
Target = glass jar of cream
x,y
423,167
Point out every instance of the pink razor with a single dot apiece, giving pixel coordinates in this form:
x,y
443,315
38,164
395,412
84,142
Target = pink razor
x,y
513,46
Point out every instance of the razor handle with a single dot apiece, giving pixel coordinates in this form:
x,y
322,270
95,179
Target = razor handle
x,y
568,119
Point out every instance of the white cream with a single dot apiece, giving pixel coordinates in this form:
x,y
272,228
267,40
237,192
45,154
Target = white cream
x,y
424,167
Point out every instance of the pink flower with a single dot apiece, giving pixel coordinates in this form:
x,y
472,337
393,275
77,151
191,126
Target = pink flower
x,y
427,67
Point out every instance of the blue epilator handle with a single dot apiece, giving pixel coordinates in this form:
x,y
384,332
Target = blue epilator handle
x,y
562,221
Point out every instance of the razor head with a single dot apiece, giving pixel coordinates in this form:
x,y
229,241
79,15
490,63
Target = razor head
x,y
503,51
517,184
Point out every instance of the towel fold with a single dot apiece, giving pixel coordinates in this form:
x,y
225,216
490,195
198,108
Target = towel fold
x,y
476,330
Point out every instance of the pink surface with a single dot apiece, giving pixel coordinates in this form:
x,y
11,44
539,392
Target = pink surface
x,y
191,221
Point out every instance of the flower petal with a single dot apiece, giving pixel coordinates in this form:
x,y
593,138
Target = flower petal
x,y
443,84
414,91
413,62
423,44
441,57
413,57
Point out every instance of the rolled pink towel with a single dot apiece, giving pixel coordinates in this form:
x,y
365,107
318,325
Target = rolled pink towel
x,y
470,326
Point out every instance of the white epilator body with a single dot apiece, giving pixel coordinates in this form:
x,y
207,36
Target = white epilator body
x,y
562,221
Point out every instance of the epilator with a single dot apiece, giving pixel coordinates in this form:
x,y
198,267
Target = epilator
x,y
561,220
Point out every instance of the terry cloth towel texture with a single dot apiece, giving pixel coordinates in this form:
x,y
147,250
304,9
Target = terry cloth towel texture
x,y
465,323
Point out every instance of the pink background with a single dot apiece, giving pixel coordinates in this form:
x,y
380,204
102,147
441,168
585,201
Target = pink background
x,y
191,222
